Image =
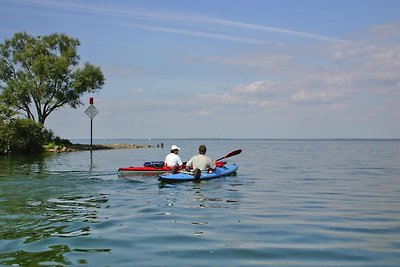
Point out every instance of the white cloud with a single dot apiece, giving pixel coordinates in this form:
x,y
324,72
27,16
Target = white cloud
x,y
255,87
308,96
136,90
205,112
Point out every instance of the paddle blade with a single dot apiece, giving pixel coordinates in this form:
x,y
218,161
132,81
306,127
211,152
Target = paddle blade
x,y
233,153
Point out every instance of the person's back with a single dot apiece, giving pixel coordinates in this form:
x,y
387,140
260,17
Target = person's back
x,y
201,161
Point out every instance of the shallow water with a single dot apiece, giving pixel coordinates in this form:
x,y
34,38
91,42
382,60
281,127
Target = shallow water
x,y
292,203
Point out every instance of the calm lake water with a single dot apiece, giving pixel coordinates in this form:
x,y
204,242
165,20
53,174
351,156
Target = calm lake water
x,y
292,203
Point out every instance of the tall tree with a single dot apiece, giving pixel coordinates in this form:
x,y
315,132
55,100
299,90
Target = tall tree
x,y
40,74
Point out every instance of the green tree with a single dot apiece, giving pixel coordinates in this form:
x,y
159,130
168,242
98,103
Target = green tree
x,y
6,114
28,136
40,74
23,136
6,117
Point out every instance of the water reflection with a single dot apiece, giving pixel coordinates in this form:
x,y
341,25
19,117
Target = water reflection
x,y
37,219
24,165
40,206
197,206
34,221
52,257
203,193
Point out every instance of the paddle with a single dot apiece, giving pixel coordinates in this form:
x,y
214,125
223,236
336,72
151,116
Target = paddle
x,y
233,153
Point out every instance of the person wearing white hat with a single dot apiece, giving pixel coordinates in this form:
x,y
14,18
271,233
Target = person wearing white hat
x,y
172,159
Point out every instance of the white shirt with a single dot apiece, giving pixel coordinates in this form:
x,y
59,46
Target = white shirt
x,y
172,159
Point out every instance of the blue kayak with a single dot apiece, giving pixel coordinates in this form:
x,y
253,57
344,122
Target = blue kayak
x,y
188,176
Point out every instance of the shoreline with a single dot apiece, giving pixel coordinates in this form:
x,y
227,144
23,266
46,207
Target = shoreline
x,y
86,147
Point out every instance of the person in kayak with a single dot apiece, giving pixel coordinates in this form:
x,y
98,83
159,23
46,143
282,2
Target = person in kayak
x,y
200,162
172,159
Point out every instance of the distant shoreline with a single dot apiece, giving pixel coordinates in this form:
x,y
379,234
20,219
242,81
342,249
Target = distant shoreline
x,y
86,147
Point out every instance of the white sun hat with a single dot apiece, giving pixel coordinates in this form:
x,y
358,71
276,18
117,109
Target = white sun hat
x,y
174,147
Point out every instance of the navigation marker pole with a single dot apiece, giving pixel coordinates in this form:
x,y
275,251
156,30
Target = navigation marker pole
x,y
91,111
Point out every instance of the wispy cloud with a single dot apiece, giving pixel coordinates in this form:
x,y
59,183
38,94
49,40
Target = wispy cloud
x,y
274,29
201,34
308,96
163,16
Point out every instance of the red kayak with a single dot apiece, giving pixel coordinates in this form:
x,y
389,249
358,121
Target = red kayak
x,y
153,168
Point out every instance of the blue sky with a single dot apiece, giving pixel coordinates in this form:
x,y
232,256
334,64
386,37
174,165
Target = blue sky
x,y
228,68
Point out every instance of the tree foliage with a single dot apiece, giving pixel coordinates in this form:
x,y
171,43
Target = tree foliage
x,y
23,136
40,74
6,113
